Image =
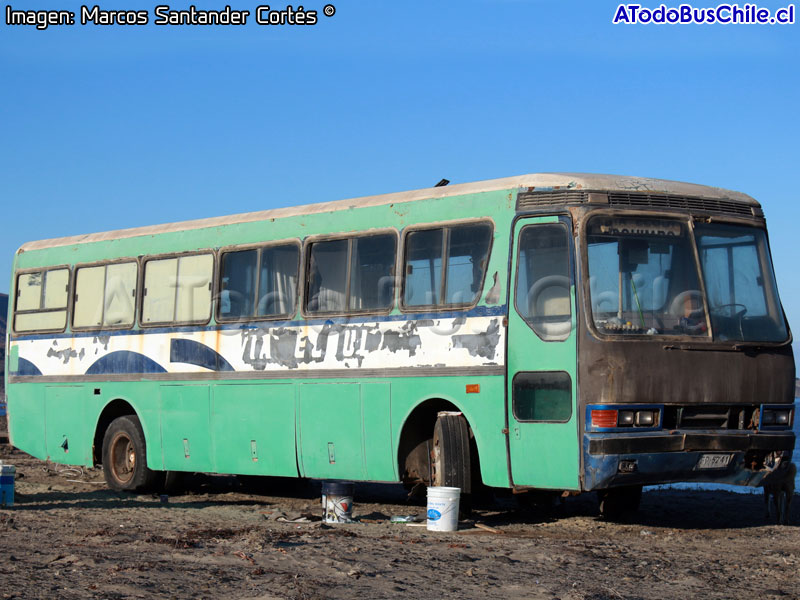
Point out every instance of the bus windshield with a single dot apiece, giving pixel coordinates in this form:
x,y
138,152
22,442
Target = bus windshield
x,y
742,295
643,280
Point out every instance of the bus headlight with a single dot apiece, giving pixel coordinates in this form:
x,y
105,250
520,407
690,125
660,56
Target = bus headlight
x,y
775,416
621,418
645,418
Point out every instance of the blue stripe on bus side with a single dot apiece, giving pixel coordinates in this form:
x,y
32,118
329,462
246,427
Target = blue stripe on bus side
x,y
195,353
26,367
124,361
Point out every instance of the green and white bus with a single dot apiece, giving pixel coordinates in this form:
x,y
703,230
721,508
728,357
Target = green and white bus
x,y
562,332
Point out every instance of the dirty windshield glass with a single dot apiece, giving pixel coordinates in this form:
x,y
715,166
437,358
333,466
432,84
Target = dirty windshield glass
x,y
742,295
643,278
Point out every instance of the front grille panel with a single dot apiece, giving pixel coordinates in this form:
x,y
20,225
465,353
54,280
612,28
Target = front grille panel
x,y
710,416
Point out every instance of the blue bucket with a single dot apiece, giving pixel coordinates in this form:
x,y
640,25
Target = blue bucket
x,y
7,473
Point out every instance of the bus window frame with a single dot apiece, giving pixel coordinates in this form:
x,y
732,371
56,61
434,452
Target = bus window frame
x,y
149,257
137,299
565,222
549,372
305,264
689,219
297,242
426,308
765,260
67,308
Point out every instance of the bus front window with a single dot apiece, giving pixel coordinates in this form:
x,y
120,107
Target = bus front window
x,y
742,295
643,278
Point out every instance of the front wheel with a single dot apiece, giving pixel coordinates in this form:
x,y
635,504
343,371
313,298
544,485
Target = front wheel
x,y
450,457
450,453
619,503
125,456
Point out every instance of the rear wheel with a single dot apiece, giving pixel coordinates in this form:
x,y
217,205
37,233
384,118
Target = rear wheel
x,y
124,456
450,456
619,503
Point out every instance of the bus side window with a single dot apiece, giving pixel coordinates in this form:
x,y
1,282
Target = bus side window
x,y
372,279
160,278
29,291
88,308
105,295
327,278
259,282
352,275
465,251
178,289
423,272
543,397
41,302
238,284
119,301
467,254
543,282
277,282
193,302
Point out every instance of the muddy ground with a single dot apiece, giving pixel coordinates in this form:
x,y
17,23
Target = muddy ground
x,y
68,536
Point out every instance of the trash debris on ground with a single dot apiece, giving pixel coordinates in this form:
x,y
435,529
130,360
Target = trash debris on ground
x,y
487,528
406,519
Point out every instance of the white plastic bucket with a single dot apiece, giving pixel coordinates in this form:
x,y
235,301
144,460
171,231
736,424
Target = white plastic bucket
x,y
443,508
7,485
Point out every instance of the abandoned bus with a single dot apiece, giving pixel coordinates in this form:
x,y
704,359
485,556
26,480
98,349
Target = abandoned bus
x,y
559,332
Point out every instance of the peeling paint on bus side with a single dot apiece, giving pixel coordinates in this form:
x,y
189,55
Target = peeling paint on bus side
x,y
389,344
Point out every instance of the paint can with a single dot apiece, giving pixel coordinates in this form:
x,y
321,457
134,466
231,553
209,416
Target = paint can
x,y
7,473
337,501
443,508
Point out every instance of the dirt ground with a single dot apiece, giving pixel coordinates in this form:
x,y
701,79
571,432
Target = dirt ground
x,y
68,536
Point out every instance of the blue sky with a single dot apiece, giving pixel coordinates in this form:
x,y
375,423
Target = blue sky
x,y
112,127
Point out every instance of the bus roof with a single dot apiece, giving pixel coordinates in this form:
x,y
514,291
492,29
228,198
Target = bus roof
x,y
531,182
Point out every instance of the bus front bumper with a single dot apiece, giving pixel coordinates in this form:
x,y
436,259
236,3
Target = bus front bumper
x,y
740,458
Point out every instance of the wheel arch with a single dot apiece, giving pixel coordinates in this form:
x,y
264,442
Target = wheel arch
x,y
119,407
416,434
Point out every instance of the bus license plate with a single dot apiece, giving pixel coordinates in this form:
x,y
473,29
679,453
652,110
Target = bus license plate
x,y
714,461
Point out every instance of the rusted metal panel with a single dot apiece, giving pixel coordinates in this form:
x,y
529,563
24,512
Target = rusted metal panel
x,y
643,371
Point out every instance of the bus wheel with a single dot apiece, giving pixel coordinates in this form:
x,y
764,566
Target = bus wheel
x,y
124,456
618,503
450,460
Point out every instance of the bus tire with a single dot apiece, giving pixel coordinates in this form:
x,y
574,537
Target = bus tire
x,y
619,503
450,456
125,456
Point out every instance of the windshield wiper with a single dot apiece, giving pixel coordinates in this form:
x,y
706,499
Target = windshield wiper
x,y
701,348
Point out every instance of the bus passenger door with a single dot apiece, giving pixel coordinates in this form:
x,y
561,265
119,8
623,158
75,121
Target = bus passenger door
x,y
542,412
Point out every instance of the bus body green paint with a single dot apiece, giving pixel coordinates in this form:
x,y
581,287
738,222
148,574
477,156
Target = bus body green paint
x,y
516,334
